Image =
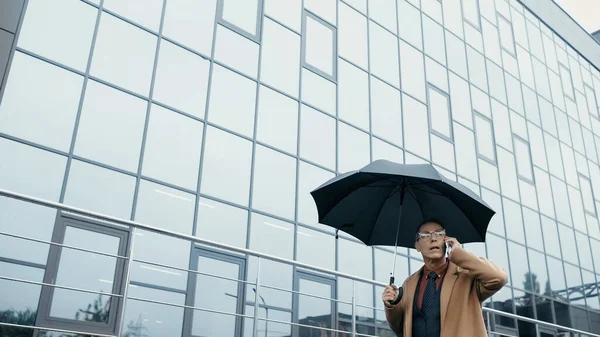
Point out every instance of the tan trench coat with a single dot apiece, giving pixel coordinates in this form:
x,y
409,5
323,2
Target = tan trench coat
x,y
468,282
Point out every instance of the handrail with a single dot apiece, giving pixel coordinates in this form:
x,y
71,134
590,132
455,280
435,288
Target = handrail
x,y
134,224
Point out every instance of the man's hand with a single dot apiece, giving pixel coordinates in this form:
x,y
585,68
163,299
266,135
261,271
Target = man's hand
x,y
452,244
389,295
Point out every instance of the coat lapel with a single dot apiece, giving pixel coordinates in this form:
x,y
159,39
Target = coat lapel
x,y
447,286
409,295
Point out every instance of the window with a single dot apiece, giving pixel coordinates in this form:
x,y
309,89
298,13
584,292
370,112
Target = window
x,y
124,55
105,108
531,105
353,148
533,230
319,42
319,92
383,52
506,35
523,154
541,79
386,112
409,24
413,71
353,92
416,127
384,150
236,51
556,90
191,23
315,248
474,38
226,166
457,59
567,82
491,42
486,147
439,113
442,153
515,97
435,45
591,101
221,222
172,150
325,9
466,157
68,39
460,99
280,60
242,16
437,74
274,182
588,195
234,114
352,34
46,113
317,137
309,178
477,72
69,267
496,82
471,12
277,120
508,174
289,13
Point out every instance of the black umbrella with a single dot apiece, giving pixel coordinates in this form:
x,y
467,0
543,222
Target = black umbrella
x,y
384,198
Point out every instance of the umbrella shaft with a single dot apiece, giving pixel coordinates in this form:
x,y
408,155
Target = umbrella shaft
x,y
403,190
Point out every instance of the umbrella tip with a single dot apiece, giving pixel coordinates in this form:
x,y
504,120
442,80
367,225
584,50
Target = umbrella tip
x,y
336,234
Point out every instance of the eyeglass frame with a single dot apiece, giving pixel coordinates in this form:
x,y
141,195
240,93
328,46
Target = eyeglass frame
x,y
440,233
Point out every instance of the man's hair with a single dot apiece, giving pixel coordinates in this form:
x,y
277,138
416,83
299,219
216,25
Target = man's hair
x,y
429,220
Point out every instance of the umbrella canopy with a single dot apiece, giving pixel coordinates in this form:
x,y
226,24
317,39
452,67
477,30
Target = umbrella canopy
x,y
385,202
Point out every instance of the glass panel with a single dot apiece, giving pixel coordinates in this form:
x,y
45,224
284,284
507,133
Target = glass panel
x,y
460,101
166,207
236,51
222,223
413,71
19,301
567,243
289,13
409,24
513,221
489,175
153,320
434,40
94,272
315,248
541,79
453,19
565,76
67,40
457,57
525,67
591,101
319,92
491,42
474,38
416,127
554,162
537,281
383,150
384,12
588,195
100,190
577,212
471,11
149,17
317,137
442,153
496,248
326,9
274,182
181,79
531,105
353,95
583,247
105,109
496,81
319,47
561,201
355,258
533,230
280,59
215,293
521,277
466,158
243,14
352,36
46,114
523,158
124,55
226,167
383,50
506,34
515,98
433,9
314,311
477,73
191,23
172,151
508,174
353,148
437,74
386,111
439,111
31,171
277,120
485,138
235,114
309,177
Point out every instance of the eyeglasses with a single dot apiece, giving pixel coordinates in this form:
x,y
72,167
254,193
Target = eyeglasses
x,y
427,235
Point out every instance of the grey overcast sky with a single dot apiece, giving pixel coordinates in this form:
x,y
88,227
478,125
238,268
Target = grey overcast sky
x,y
585,12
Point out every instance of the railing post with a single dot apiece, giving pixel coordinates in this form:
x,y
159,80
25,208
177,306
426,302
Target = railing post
x,y
353,308
489,324
127,279
256,298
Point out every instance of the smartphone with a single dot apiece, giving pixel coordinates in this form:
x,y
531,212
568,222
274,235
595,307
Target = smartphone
x,y
448,249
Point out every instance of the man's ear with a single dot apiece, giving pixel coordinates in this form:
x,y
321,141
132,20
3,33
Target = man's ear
x,y
417,246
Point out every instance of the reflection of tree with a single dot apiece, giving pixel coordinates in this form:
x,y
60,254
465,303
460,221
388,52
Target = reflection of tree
x,y
96,312
26,317
531,283
136,329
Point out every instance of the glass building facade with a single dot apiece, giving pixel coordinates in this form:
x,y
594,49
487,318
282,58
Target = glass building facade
x,y
216,118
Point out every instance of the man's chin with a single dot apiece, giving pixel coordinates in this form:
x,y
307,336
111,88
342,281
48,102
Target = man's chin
x,y
434,255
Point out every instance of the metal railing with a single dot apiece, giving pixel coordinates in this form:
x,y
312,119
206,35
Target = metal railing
x,y
256,283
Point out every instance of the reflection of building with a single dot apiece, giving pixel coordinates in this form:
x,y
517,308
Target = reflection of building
x,y
216,118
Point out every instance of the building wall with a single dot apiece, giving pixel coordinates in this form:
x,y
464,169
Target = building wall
x,y
217,119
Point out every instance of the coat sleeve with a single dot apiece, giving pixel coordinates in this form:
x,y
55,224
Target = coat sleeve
x,y
489,278
395,316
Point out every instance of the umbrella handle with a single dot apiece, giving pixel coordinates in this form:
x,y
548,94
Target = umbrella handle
x,y
400,293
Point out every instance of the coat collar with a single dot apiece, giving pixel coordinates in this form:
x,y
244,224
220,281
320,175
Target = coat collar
x,y
447,287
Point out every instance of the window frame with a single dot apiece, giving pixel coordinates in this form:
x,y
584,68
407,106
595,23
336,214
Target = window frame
x,y
259,12
571,94
331,77
449,138
323,279
589,182
517,138
493,161
477,25
586,87
64,220
500,17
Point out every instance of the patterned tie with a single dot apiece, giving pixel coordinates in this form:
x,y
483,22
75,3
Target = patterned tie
x,y
429,294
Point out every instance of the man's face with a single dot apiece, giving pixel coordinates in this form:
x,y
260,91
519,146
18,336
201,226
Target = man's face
x,y
434,246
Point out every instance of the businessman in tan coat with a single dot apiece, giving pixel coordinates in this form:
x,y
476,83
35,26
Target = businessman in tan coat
x,y
443,298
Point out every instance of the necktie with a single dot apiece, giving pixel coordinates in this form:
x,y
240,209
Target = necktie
x,y
429,294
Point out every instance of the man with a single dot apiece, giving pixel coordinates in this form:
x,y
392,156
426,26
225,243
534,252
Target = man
x,y
443,298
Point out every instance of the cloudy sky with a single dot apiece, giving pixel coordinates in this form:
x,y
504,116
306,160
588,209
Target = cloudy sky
x,y
585,12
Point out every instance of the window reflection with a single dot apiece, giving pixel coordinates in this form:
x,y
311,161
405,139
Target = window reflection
x,y
19,302
153,320
165,207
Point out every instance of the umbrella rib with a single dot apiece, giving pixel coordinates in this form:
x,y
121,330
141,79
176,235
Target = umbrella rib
x,y
414,195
